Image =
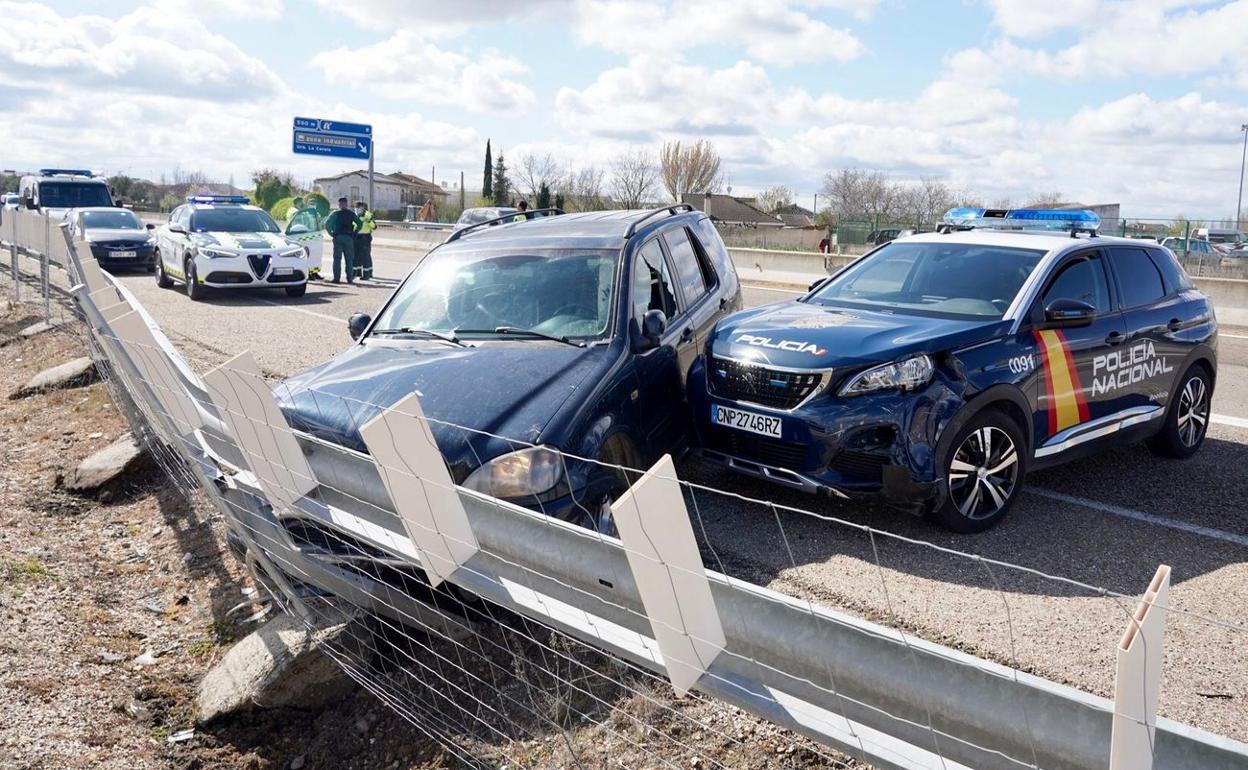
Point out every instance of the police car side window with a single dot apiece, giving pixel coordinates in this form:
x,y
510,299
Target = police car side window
x,y
1176,278
1138,277
652,284
1083,280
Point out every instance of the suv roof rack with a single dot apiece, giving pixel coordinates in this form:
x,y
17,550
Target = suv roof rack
x,y
530,214
672,210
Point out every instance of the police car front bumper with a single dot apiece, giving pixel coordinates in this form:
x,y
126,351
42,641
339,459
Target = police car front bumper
x,y
872,446
251,269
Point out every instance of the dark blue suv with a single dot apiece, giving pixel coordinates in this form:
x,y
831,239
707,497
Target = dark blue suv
x,y
534,343
938,369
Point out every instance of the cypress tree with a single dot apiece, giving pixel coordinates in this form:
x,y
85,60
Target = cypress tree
x,y
487,181
502,185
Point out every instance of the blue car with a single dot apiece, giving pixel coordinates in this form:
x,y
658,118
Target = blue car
x,y
534,344
937,370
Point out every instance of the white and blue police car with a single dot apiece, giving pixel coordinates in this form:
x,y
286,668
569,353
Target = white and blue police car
x,y
223,242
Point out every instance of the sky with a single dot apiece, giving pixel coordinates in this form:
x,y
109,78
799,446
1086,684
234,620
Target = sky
x,y
1104,101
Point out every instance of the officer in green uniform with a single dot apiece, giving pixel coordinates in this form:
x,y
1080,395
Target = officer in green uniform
x,y
364,242
342,225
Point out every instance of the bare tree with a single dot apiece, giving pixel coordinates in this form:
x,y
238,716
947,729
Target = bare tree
x,y
1045,200
773,199
583,188
854,193
634,176
690,168
535,171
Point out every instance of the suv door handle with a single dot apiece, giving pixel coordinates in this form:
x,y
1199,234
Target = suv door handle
x,y
723,302
686,335
1174,325
1115,338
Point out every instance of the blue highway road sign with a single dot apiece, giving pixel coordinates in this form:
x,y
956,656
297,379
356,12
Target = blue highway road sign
x,y
331,138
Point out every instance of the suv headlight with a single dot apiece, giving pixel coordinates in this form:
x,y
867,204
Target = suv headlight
x,y
908,374
212,253
522,473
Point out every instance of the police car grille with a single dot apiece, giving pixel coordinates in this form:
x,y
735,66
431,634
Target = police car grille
x,y
778,454
259,263
760,385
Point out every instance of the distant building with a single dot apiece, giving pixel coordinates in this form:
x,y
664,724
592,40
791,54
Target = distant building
x,y
794,215
390,191
727,210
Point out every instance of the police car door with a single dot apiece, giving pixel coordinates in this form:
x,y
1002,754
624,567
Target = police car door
x,y
1146,365
170,246
305,229
1072,354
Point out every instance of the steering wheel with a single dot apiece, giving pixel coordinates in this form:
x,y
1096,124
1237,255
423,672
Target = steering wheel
x,y
497,305
572,308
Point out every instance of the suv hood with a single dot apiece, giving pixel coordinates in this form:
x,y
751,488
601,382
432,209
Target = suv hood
x,y
507,388
809,336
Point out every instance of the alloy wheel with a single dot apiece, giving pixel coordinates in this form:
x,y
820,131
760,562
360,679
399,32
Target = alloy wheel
x,y
983,473
1193,412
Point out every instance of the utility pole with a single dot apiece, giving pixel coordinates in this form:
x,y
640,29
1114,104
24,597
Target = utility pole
x,y
462,200
1239,205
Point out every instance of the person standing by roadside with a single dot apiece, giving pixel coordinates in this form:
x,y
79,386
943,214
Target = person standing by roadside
x,y
364,242
342,225
521,207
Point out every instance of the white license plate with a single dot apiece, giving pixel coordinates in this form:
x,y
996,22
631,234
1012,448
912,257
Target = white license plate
x,y
762,424
119,254
283,270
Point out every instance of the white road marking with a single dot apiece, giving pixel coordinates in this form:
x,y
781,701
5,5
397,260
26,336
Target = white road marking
x,y
757,287
1147,518
288,306
1226,419
1234,336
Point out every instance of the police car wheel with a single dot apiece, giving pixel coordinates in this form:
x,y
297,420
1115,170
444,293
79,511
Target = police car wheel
x,y
984,472
1187,421
162,280
193,289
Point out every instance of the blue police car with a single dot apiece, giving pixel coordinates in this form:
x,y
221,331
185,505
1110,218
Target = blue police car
x,y
538,347
938,369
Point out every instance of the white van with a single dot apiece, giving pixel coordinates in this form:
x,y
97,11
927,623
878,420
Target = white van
x,y
54,191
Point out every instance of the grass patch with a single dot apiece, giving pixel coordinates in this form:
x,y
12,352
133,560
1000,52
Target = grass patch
x,y
31,569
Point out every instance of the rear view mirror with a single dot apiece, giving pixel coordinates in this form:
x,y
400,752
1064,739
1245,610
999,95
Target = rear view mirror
x,y
1069,312
150,226
653,324
818,283
357,323
174,227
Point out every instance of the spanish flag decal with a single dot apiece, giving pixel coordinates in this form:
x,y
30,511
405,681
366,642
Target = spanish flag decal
x,y
1065,401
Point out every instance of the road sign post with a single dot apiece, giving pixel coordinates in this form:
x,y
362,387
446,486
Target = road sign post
x,y
335,139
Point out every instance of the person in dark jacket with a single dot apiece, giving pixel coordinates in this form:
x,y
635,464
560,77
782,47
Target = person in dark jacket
x,y
342,225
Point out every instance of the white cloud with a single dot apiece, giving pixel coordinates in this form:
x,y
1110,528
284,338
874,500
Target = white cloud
x,y
770,31
405,66
145,51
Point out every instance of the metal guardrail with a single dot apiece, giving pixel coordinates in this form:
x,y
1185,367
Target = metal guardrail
x,y
870,691
408,225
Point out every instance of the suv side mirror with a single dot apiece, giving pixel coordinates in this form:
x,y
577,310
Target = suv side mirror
x,y
175,227
150,226
818,283
357,323
653,324
1069,312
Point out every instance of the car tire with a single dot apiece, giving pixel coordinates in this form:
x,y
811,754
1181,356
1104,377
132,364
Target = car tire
x,y
984,468
297,291
193,290
162,279
610,480
1187,420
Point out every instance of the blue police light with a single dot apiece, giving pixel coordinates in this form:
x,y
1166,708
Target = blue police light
x,y
1080,220
64,172
217,199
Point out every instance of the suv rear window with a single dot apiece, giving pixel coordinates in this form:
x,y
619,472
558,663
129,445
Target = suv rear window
x,y
1137,276
1176,277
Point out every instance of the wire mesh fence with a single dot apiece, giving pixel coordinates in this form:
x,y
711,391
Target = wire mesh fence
x,y
689,622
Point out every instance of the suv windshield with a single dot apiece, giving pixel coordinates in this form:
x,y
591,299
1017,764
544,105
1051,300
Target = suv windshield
x,y
120,219
73,195
561,292
232,220
953,280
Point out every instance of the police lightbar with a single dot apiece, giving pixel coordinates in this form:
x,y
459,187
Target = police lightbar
x,y
217,199
1071,220
64,172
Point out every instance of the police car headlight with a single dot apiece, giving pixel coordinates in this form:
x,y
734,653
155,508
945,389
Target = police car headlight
x,y
900,375
214,253
298,251
522,473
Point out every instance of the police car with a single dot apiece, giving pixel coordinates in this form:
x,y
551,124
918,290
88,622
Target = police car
x,y
221,241
937,370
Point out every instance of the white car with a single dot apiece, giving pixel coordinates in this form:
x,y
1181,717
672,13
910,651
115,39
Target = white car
x,y
221,241
11,200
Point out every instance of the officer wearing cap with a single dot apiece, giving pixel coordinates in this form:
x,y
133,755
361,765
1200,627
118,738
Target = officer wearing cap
x,y
342,225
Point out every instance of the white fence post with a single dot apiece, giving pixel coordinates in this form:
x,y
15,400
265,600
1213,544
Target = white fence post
x,y
17,279
1138,682
658,539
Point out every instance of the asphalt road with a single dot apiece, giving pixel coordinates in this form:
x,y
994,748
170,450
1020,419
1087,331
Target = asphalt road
x,y
1106,522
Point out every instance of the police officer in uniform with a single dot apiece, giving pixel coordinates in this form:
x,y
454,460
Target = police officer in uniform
x,y
342,225
364,242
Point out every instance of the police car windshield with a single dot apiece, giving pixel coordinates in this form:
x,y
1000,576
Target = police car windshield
x,y
118,219
940,279
559,292
232,220
71,195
